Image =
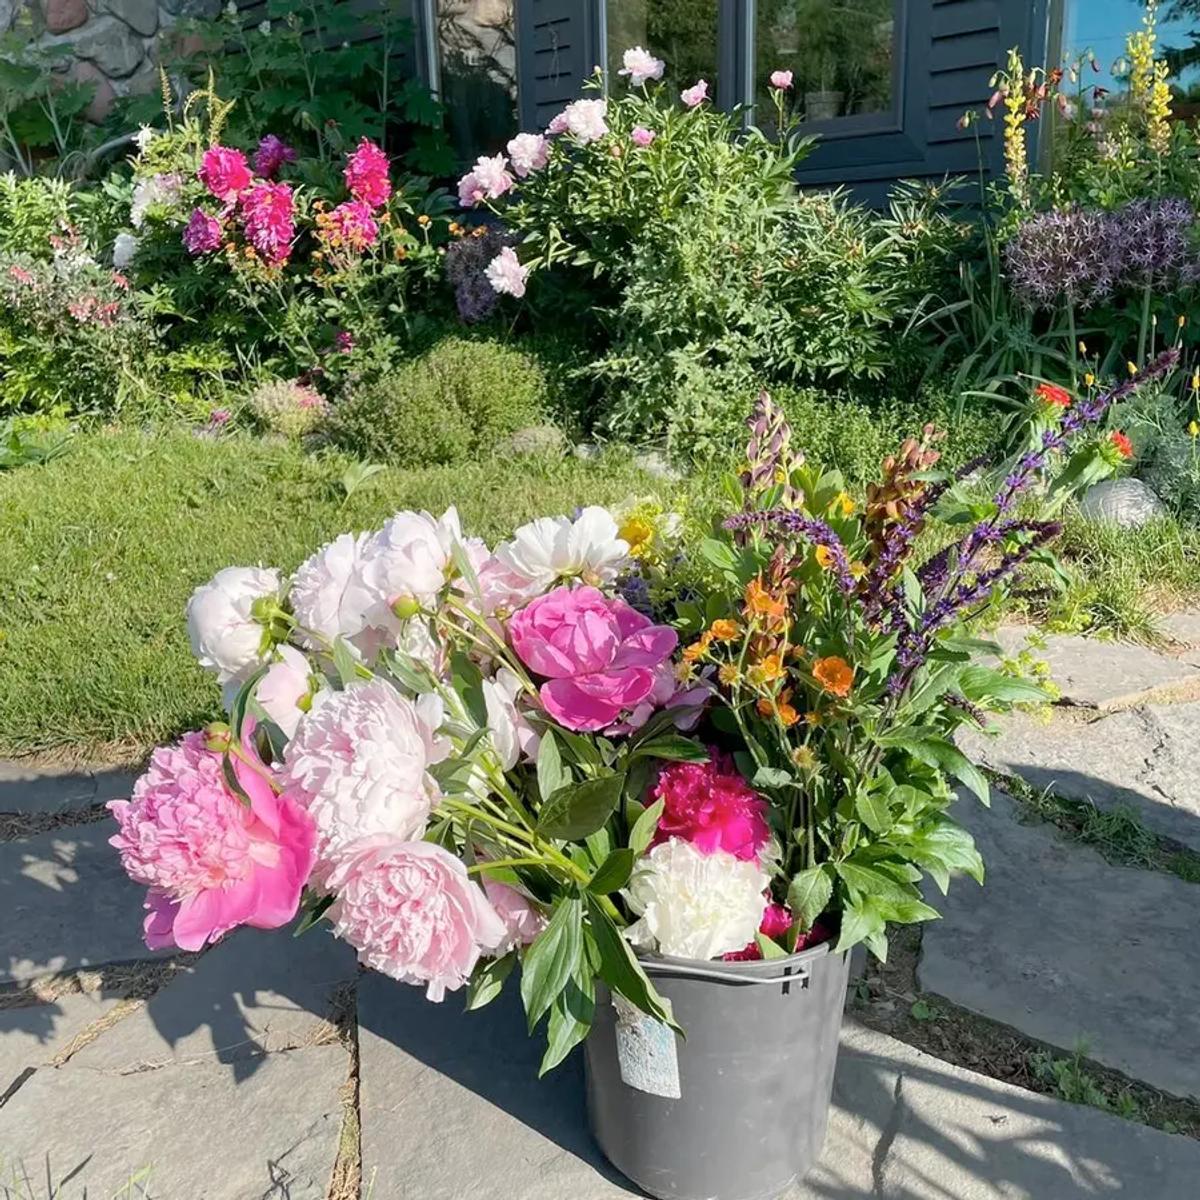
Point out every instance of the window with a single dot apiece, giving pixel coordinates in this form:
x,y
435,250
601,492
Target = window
x,y
841,54
477,69
683,33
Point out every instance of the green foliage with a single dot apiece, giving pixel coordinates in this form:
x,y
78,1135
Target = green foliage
x,y
286,407
455,402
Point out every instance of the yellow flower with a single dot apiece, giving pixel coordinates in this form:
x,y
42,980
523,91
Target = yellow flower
x,y
804,758
781,708
843,502
1196,381
1083,347
768,669
423,220
858,569
1131,367
729,675
699,649
824,557
1090,379
1158,132
1181,320
1194,428
639,533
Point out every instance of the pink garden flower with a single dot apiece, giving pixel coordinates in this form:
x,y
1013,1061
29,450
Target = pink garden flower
x,y
641,136
781,80
696,94
350,226
21,275
640,65
529,152
522,920
688,699
202,234
712,806
224,172
585,120
366,174
492,176
411,911
598,656
271,155
506,274
269,213
343,341
470,191
211,862
776,921
285,686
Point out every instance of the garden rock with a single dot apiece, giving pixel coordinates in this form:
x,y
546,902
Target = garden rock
x,y
61,15
8,10
32,1034
1065,946
653,462
1126,502
104,95
111,45
203,10
140,15
536,440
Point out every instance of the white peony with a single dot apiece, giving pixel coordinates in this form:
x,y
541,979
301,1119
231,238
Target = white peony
x,y
640,65
226,638
585,120
512,735
284,687
554,548
161,189
330,599
695,905
408,559
125,246
359,763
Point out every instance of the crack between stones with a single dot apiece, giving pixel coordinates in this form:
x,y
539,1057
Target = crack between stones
x,y
887,1137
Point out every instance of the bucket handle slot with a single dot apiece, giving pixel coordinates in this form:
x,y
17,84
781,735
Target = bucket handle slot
x,y
800,976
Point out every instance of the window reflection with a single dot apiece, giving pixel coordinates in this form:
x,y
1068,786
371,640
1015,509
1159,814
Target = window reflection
x,y
840,53
683,33
478,57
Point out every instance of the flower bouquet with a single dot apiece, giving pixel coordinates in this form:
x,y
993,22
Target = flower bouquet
x,y
615,763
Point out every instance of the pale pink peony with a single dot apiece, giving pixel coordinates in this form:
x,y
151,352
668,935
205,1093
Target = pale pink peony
x,y
492,176
366,174
202,233
330,599
271,155
641,136
211,862
557,125
284,688
523,921
268,212
224,172
506,274
513,737
696,94
598,656
351,225
409,559
710,805
411,911
470,191
224,630
584,120
640,65
781,80
359,763
529,152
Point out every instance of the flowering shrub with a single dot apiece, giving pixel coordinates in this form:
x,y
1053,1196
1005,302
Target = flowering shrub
x,y
476,755
288,407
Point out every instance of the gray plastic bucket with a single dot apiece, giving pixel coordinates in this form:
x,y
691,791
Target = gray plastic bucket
x,y
738,1110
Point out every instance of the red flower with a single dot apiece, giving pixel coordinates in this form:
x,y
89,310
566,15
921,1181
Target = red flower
x,y
1123,444
1052,394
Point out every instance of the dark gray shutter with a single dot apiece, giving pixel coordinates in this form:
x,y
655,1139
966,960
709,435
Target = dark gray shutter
x,y
558,46
948,51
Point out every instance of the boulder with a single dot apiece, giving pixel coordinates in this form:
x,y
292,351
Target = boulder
x,y
60,15
104,94
111,45
140,15
1126,502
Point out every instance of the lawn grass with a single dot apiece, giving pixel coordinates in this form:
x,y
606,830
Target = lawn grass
x,y
103,546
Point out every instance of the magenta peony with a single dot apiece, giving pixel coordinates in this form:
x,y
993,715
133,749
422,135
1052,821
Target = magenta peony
x,y
268,210
411,911
271,155
598,656
366,174
224,172
712,806
776,921
211,862
202,234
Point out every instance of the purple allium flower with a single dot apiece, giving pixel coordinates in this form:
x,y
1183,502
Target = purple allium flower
x,y
467,261
1156,242
1075,255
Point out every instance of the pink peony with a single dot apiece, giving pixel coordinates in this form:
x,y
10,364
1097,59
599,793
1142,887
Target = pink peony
x,y
271,155
599,656
492,176
211,862
269,213
776,921
585,120
506,274
202,234
224,172
781,80
696,94
640,65
522,919
470,191
557,125
366,174
411,911
689,701
351,225
712,806
641,136
529,152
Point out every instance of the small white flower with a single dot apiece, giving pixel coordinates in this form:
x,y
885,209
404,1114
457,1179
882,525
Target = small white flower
x,y
554,548
142,139
264,27
641,65
231,9
695,905
512,735
226,637
125,246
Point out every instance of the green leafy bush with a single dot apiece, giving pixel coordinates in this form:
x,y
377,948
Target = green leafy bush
x,y
454,403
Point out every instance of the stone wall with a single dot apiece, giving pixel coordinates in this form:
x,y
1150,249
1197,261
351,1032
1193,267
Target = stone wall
x,y
114,43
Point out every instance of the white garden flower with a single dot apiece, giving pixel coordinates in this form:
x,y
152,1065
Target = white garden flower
x,y
695,905
144,136
513,737
551,549
164,189
506,274
226,636
585,120
409,559
529,152
359,762
641,65
330,599
125,246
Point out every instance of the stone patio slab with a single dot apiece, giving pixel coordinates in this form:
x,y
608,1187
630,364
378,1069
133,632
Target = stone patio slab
x,y
452,1110
1142,759
28,789
31,1035
66,903
1065,946
194,1132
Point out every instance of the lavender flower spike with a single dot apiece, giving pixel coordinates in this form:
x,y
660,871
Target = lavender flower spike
x,y
787,521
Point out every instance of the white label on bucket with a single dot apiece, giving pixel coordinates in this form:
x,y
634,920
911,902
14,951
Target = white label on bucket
x,y
646,1051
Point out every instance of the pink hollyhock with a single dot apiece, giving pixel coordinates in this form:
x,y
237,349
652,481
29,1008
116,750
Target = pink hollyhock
x,y
224,172
781,80
411,911
641,136
271,155
777,920
599,656
211,861
696,94
351,225
711,805
366,174
268,210
202,234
